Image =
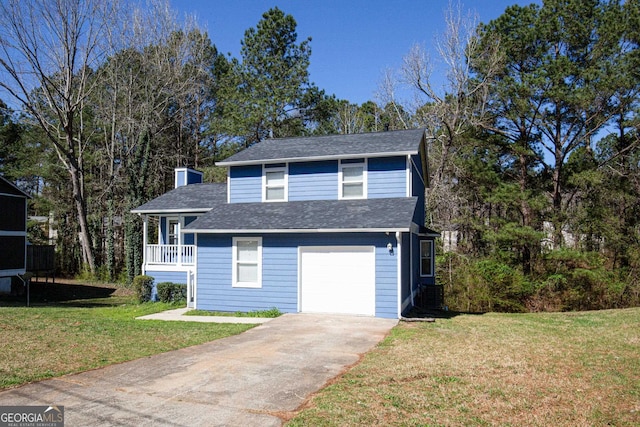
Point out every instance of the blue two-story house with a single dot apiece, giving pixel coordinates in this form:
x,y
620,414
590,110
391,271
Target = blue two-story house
x,y
328,224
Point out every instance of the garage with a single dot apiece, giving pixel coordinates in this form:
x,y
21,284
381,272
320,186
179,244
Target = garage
x,y
337,280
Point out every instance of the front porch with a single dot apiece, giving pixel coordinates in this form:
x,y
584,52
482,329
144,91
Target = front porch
x,y
165,244
169,254
176,255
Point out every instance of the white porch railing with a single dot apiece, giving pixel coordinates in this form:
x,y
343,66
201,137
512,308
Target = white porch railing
x,y
171,254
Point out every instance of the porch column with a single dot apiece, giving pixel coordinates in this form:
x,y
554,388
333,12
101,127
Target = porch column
x,y
145,225
179,239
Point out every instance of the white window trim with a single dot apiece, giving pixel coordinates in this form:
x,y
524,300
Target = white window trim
x,y
234,273
284,169
341,182
431,250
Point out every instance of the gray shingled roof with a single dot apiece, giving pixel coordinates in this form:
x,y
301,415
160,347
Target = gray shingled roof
x,y
393,214
188,198
330,146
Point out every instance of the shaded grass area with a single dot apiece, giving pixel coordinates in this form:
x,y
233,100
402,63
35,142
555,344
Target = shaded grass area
x,y
78,327
560,369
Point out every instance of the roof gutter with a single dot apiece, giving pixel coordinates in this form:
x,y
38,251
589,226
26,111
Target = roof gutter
x,y
168,211
294,230
399,296
314,158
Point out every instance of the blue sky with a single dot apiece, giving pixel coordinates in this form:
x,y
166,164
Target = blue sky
x,y
353,41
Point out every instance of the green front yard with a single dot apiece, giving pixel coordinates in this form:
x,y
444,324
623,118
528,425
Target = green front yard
x,y
559,369
64,335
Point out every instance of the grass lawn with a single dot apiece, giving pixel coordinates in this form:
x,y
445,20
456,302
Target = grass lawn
x,y
267,314
73,328
559,369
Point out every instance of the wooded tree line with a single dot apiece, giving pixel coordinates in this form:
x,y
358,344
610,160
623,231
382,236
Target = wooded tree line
x,y
109,97
535,161
534,157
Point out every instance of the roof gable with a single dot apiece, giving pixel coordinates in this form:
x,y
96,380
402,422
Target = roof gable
x,y
329,147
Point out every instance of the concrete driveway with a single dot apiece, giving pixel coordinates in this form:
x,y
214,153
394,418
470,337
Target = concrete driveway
x,y
252,379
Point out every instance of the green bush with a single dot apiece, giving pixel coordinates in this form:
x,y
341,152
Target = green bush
x,y
143,287
561,280
171,292
507,286
483,285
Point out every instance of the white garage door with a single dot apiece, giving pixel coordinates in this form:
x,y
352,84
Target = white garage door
x,y
337,280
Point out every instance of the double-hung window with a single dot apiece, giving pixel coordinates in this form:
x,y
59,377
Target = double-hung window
x,y
353,179
275,183
247,262
426,258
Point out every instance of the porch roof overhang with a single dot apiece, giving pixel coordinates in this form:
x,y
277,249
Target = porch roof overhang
x,y
169,211
312,216
193,198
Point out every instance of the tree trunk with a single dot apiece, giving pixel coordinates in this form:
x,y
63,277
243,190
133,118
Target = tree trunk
x,y
557,201
86,242
526,210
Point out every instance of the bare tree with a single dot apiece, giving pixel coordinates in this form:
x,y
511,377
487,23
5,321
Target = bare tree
x,y
449,107
151,105
48,51
460,102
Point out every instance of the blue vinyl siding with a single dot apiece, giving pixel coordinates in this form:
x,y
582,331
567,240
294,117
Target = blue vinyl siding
x,y
279,277
408,247
280,271
418,189
386,278
245,184
187,176
188,237
387,177
313,181
162,237
193,177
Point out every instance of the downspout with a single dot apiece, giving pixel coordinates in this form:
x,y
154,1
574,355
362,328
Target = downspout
x,y
144,243
411,271
399,241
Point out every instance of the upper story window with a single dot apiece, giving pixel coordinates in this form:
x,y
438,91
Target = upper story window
x,y
353,179
274,183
